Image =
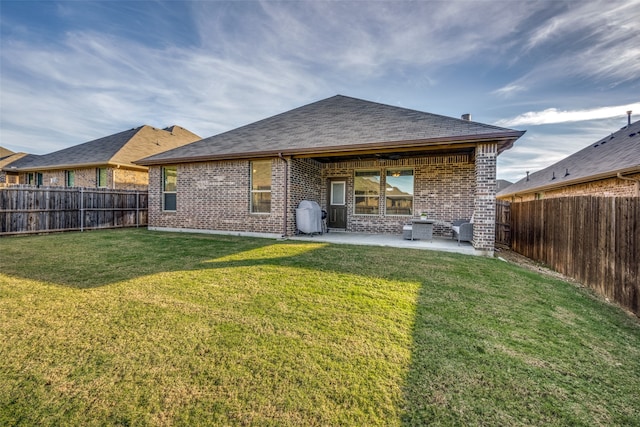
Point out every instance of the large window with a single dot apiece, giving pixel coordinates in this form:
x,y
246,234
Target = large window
x,y
367,192
169,187
399,192
101,177
70,178
261,187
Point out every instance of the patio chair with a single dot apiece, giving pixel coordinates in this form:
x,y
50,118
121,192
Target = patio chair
x,y
462,230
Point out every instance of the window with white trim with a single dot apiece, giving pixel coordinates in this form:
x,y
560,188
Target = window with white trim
x,y
69,178
169,188
367,192
101,177
261,187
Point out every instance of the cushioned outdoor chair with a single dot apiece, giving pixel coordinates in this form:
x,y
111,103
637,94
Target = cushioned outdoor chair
x,y
462,230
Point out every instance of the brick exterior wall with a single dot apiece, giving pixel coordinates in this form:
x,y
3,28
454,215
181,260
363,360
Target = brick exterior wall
x,y
305,183
484,225
121,179
610,187
216,195
443,187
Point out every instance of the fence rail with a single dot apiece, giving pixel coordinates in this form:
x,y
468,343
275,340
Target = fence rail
x,y
595,240
29,209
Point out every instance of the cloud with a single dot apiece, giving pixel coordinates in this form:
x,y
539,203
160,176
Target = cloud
x,y
509,90
595,42
99,68
553,115
365,38
92,85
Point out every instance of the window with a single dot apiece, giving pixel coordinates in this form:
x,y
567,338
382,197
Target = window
x,y
261,187
367,192
101,177
399,192
169,187
39,179
338,193
69,178
30,179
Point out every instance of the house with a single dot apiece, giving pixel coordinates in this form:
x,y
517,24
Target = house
x,y
372,167
608,167
104,163
7,157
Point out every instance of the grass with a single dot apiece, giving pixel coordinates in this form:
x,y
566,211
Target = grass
x,y
131,327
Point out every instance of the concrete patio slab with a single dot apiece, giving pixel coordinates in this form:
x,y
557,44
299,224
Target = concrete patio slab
x,y
395,241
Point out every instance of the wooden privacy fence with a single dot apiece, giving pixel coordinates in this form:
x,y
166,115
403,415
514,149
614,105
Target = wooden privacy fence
x,y
503,223
29,209
595,240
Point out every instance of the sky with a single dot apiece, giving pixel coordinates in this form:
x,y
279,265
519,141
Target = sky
x,y
74,71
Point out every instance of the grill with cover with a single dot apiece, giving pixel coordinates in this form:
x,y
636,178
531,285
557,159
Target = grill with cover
x,y
309,218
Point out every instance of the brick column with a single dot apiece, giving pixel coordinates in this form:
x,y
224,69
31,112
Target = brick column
x,y
485,198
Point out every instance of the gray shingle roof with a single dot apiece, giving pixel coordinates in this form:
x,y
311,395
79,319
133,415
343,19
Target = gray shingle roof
x,y
17,162
618,152
120,148
338,123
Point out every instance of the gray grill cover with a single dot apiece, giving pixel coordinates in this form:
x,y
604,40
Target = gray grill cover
x,y
309,217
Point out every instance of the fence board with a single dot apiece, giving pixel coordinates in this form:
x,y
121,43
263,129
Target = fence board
x,y
595,240
503,223
28,209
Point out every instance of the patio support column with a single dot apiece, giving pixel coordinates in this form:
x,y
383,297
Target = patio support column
x,y
485,198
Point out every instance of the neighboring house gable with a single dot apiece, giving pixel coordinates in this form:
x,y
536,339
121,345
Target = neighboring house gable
x,y
501,184
4,152
594,170
8,157
104,162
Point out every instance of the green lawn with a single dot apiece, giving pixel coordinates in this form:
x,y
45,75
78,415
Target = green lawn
x,y
131,327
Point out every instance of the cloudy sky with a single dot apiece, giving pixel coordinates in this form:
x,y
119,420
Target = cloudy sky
x,y
73,71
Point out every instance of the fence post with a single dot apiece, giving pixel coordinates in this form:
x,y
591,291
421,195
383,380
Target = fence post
x,y
137,209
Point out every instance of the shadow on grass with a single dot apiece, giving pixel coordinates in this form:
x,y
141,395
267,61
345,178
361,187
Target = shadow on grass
x,y
101,258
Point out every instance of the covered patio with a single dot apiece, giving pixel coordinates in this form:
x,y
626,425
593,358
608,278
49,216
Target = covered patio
x,y
391,240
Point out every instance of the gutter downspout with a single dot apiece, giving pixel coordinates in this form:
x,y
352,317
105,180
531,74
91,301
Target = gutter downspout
x,y
636,181
286,195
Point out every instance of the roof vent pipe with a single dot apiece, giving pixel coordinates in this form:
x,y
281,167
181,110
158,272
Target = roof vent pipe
x,y
629,117
527,175
466,117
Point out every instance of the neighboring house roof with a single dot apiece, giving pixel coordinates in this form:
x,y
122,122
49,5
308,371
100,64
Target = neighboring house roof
x,y
338,124
8,157
4,152
501,184
118,149
613,154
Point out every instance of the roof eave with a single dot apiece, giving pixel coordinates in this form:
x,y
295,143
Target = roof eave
x,y
506,138
77,166
581,180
